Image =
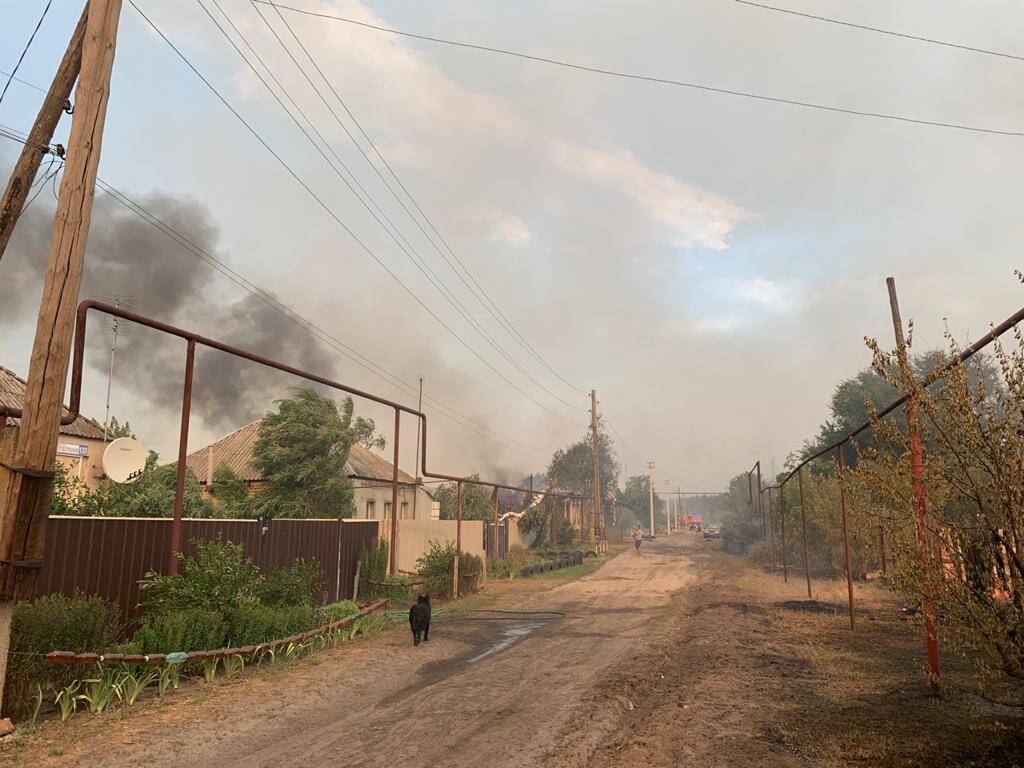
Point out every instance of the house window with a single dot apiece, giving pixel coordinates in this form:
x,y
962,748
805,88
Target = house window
x,y
405,510
370,512
387,510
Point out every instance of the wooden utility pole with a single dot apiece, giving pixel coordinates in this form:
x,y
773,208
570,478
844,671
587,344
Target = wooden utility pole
x,y
26,503
38,143
917,475
650,493
597,466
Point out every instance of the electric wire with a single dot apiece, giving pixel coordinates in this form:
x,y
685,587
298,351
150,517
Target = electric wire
x,y
476,288
651,78
24,51
268,298
334,216
394,232
906,36
22,82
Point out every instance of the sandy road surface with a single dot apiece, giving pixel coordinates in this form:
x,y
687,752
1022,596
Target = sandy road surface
x,y
493,692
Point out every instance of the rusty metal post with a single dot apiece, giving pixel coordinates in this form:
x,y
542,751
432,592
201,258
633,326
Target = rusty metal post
x,y
179,482
881,549
458,536
554,523
494,548
803,525
393,564
846,531
782,524
917,475
760,502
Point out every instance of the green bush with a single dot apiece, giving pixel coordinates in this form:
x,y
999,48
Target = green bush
x,y
335,612
567,534
373,562
435,566
191,629
299,584
55,623
255,624
217,577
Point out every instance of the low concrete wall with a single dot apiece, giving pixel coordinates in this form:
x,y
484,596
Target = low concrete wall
x,y
414,537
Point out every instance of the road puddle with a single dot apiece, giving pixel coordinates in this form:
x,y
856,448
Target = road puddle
x,y
508,638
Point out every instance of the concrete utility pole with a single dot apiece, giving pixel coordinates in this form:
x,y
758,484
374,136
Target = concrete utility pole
x,y
917,475
597,466
38,143
650,493
25,504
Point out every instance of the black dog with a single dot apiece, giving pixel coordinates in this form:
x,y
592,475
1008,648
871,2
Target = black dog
x,y
419,619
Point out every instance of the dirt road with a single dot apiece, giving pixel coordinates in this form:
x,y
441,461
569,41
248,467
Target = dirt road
x,y
687,657
495,692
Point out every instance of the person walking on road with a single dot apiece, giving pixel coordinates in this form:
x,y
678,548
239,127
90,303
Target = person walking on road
x,y
638,536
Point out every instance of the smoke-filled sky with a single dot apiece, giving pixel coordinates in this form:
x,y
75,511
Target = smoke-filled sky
x,y
709,264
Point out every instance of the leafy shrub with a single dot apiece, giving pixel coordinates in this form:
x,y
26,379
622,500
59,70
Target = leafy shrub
x,y
80,623
190,629
373,562
217,577
255,624
296,585
335,612
435,566
567,534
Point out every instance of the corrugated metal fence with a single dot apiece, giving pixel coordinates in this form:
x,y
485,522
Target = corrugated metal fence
x,y
107,556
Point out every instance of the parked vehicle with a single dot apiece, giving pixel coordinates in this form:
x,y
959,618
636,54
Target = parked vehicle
x,y
713,532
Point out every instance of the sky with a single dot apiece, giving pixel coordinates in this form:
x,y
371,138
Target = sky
x,y
711,265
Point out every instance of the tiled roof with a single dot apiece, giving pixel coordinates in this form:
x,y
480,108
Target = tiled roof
x,y
12,393
235,450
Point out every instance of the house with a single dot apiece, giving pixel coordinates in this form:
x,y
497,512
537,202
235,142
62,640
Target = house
x,y
369,472
80,444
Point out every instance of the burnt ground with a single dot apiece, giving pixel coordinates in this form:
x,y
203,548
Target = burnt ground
x,y
686,657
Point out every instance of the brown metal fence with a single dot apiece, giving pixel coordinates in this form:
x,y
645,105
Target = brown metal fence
x,y
107,556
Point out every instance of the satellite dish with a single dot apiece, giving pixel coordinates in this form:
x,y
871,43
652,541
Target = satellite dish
x,y
124,459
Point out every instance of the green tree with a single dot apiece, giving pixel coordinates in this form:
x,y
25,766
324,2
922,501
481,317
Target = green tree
x,y
116,429
572,468
229,494
150,495
476,501
301,452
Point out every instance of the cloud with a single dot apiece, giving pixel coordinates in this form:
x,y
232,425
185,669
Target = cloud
x,y
768,293
694,217
502,226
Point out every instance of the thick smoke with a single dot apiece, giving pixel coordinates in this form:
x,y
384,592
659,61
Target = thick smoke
x,y
131,260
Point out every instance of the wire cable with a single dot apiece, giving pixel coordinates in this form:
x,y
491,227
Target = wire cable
x,y
944,43
268,298
28,45
394,232
334,216
479,292
653,79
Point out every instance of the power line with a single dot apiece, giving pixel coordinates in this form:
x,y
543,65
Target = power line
x,y
490,305
22,82
396,235
652,79
25,50
334,216
274,303
881,31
